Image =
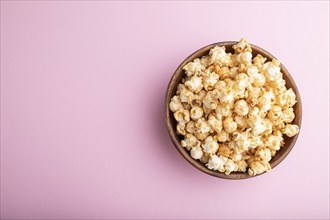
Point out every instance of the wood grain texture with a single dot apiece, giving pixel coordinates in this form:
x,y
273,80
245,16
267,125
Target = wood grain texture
x,y
171,123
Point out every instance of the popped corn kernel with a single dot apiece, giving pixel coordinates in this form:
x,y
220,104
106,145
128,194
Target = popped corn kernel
x,y
190,141
205,60
244,58
242,165
175,103
256,168
209,101
264,154
230,125
291,130
272,70
241,121
226,95
223,72
196,113
242,141
210,145
230,166
190,127
224,150
265,101
241,108
194,84
180,128
209,80
273,142
182,116
202,136
259,61
202,126
186,95
223,136
219,56
223,110
196,152
194,67
215,162
242,46
215,123
291,98
288,115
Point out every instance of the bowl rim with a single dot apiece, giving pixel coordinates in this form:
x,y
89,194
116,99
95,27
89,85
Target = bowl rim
x,y
172,133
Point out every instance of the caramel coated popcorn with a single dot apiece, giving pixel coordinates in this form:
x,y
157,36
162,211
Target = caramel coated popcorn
x,y
233,110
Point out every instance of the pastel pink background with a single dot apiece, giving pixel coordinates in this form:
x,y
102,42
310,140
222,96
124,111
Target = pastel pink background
x,y
82,121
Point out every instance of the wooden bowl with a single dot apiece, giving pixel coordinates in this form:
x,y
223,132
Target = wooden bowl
x,y
171,123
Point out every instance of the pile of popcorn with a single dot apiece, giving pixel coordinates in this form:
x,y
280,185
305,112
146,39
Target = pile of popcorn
x,y
233,110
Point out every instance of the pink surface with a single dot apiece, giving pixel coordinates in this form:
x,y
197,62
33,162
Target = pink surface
x,y
82,121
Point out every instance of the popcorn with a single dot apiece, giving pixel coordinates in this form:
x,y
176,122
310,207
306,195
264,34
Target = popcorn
x,y
242,142
242,46
220,85
278,86
241,121
241,108
265,101
202,136
291,98
255,141
194,67
190,127
186,95
258,78
223,136
236,157
215,162
194,84
210,101
223,110
272,70
205,60
230,166
242,165
259,61
256,168
205,158
245,57
215,123
219,56
196,113
180,128
210,145
230,125
264,154
209,80
196,153
202,126
175,104
259,128
226,95
190,141
182,116
291,130
275,114
273,142
288,115
223,72
232,110
224,151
